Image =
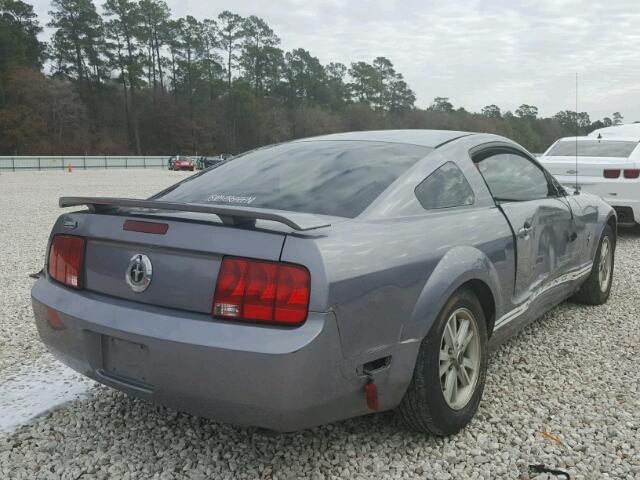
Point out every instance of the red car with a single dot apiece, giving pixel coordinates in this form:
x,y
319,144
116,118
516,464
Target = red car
x,y
181,163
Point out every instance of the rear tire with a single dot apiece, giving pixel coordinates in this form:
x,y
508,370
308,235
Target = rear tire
x,y
597,288
444,404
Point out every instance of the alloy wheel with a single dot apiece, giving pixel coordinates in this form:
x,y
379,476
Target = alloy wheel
x,y
605,263
459,358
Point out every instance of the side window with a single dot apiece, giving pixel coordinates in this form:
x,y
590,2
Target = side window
x,y
512,177
444,188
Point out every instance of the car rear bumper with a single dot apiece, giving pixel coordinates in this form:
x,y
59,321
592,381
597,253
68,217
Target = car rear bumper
x,y
623,195
276,378
627,209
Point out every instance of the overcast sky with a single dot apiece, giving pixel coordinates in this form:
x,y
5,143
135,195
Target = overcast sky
x,y
476,52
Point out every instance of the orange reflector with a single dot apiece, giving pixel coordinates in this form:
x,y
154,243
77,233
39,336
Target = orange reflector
x,y
371,391
53,318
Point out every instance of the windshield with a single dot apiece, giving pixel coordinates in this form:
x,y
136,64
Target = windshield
x,y
339,178
593,148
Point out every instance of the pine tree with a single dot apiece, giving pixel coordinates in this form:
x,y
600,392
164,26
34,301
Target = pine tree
x,y
231,29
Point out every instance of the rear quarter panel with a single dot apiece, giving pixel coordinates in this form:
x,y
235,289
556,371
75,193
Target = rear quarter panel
x,y
386,280
591,215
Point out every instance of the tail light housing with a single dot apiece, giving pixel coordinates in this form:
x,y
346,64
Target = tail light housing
x,y
612,173
66,260
262,291
632,173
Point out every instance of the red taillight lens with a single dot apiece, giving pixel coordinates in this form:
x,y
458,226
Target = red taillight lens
x,y
66,259
632,173
611,173
292,298
261,291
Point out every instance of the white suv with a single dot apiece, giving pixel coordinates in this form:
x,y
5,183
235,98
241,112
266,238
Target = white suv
x,y
608,167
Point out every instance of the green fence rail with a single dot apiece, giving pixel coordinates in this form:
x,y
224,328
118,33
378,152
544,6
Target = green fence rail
x,y
19,163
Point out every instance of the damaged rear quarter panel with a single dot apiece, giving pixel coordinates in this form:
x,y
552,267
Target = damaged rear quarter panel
x,y
387,280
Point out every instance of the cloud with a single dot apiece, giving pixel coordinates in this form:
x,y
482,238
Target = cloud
x,y
476,52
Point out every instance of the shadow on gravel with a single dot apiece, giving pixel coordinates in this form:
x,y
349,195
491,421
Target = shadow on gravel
x,y
384,423
630,233
112,427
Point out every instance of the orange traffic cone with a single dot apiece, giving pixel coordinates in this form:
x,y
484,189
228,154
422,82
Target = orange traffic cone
x,y
69,168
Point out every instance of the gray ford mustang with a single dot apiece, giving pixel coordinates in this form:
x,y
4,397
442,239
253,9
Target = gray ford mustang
x,y
322,278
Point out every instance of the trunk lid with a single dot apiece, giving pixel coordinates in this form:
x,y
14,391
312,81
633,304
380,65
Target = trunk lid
x,y
185,260
587,166
590,170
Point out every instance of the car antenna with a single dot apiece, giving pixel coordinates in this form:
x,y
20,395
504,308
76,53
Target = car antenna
x,y
576,190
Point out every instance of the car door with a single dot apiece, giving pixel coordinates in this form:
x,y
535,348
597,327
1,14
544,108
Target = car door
x,y
540,217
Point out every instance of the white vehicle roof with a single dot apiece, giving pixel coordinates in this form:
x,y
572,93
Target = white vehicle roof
x,y
628,130
620,138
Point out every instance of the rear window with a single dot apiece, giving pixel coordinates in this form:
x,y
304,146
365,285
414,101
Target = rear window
x,y
339,178
593,148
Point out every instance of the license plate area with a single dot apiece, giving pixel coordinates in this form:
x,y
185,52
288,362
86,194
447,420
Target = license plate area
x,y
126,361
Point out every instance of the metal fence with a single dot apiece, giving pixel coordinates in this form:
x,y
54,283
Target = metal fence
x,y
83,162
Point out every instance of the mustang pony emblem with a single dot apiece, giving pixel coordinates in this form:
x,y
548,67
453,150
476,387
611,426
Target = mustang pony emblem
x,y
139,273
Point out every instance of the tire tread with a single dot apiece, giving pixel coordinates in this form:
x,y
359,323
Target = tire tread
x,y
590,293
416,410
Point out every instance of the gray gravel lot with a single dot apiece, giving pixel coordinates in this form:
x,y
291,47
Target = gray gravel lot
x,y
565,393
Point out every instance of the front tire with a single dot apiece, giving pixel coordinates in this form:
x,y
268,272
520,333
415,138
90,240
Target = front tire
x,y
597,288
449,376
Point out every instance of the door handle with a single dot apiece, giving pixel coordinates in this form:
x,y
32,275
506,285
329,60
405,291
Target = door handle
x,y
525,230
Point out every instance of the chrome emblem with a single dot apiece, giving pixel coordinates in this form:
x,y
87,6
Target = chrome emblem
x,y
139,273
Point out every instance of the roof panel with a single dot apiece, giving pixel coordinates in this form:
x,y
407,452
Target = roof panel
x,y
627,130
425,138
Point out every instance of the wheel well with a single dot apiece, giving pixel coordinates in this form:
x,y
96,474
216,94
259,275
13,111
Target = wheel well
x,y
611,221
483,292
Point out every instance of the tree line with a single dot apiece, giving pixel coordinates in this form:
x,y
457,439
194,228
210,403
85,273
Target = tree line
x,y
133,79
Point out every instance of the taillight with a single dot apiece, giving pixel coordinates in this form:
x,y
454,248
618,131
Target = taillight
x,y
611,173
66,259
262,291
632,173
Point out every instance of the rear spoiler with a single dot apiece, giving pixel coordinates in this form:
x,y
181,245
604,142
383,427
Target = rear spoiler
x,y
228,215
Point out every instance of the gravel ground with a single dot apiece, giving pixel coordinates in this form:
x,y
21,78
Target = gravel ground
x,y
564,393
